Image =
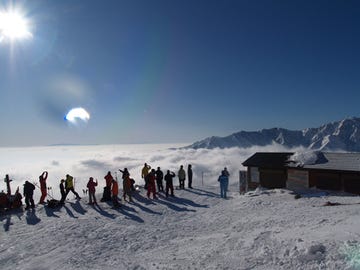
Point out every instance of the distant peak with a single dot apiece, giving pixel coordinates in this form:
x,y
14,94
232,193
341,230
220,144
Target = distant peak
x,y
339,135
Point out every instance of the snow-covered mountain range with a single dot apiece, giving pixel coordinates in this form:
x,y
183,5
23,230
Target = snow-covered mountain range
x,y
342,135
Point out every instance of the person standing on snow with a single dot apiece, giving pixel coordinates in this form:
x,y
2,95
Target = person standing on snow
x,y
127,187
115,193
151,184
128,183
226,172
107,189
125,173
190,175
144,173
108,179
28,194
159,179
224,182
62,190
169,183
69,186
43,188
91,186
182,177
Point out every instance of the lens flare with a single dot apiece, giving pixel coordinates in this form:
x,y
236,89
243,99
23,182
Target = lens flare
x,y
351,250
76,114
13,25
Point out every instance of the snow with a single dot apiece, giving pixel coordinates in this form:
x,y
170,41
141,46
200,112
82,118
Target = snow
x,y
302,158
263,229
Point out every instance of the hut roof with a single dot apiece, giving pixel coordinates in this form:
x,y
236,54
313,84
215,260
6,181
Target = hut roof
x,y
275,160
333,161
308,160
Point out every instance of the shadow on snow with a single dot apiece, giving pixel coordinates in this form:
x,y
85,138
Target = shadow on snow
x,y
31,218
124,210
202,192
7,217
78,207
103,212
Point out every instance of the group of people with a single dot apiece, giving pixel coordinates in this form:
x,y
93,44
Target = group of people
x,y
152,179
111,189
66,185
152,176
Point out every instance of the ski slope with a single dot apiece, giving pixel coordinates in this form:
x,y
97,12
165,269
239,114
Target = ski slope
x,y
264,229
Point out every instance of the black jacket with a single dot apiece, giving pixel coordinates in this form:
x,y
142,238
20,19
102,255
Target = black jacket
x,y
28,189
169,178
159,175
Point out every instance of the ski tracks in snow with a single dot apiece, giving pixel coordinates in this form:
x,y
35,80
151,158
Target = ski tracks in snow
x,y
194,230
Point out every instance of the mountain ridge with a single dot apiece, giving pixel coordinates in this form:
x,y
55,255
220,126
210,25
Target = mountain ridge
x,y
340,135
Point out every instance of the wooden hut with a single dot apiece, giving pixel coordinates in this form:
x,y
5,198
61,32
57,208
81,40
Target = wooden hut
x,y
330,171
267,169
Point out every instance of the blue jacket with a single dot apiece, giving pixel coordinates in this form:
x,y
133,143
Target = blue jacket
x,y
223,179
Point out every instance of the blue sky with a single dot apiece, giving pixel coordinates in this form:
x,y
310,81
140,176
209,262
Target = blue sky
x,y
177,71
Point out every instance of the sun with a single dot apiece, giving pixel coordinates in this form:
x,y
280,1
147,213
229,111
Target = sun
x,y
77,114
14,25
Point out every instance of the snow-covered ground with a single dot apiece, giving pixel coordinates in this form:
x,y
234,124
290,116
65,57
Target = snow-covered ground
x,y
264,229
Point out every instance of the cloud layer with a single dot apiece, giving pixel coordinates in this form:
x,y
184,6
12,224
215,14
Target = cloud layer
x,y
84,161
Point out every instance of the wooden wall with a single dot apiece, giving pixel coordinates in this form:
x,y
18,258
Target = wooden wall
x,y
272,178
321,179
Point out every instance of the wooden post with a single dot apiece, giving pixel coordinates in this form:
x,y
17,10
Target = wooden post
x,y
7,181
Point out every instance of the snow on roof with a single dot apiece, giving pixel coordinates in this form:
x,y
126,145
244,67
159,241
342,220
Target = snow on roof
x,y
304,158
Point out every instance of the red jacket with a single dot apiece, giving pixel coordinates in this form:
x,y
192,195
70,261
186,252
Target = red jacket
x,y
108,179
42,180
115,188
91,186
152,179
127,184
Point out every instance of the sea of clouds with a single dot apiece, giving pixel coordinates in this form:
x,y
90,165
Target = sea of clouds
x,y
28,163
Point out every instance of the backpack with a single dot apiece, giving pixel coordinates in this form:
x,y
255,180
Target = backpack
x,y
53,203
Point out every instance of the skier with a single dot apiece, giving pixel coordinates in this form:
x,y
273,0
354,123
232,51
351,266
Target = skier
x,y
115,193
62,190
169,183
69,186
107,189
190,175
42,180
144,172
159,179
28,194
182,176
224,182
151,184
91,186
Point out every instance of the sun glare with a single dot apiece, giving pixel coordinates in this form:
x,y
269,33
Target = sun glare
x,y
13,25
77,114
